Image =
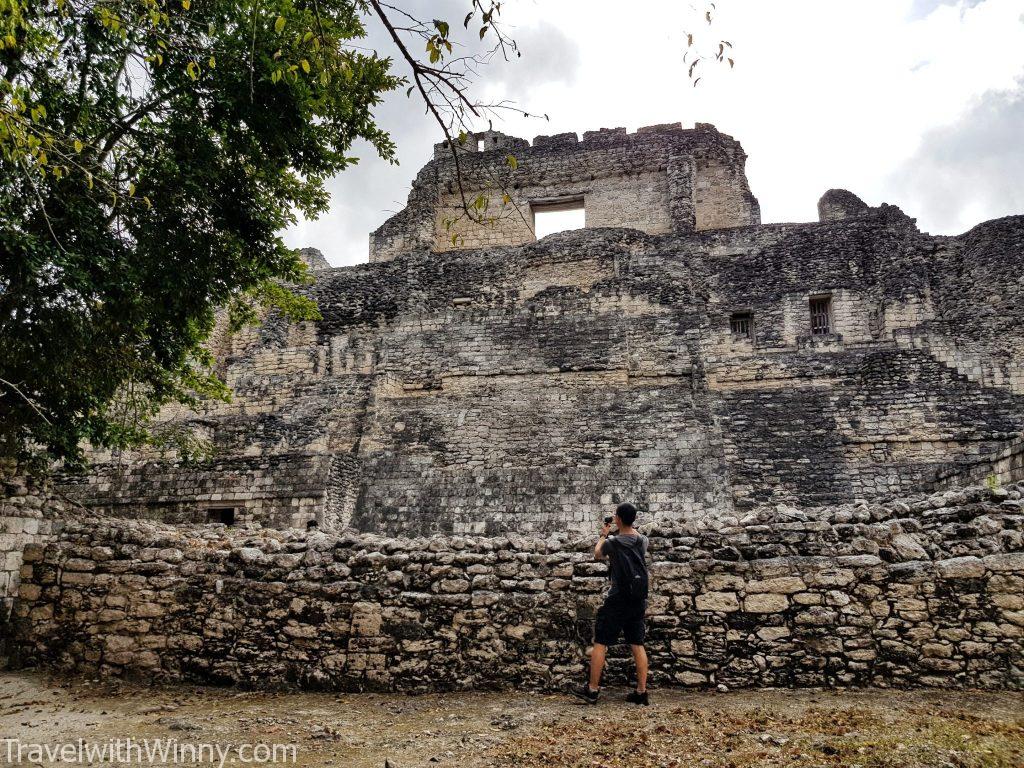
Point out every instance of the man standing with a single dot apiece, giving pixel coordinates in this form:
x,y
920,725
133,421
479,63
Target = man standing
x,y
624,607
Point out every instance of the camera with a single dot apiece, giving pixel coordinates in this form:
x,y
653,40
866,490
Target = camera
x,y
608,520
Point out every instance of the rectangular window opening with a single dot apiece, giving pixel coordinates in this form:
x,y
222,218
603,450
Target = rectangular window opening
x,y
481,145
558,216
821,315
224,515
742,325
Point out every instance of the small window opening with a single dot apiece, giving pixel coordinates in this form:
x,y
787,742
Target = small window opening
x,y
225,515
742,325
558,216
481,145
821,315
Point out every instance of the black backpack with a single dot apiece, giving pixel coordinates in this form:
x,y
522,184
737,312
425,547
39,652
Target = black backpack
x,y
632,571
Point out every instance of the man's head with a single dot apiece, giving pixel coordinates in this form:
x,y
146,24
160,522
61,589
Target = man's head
x,y
625,515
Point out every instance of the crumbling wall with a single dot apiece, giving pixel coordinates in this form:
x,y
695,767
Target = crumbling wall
x,y
29,514
280,490
660,179
522,388
978,323
924,592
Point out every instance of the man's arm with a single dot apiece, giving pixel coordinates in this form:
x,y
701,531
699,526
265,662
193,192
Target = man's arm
x,y
599,547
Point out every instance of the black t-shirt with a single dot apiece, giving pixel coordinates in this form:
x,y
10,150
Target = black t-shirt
x,y
612,549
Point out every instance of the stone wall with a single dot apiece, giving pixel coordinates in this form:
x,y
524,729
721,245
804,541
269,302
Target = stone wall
x,y
525,388
29,514
925,592
659,179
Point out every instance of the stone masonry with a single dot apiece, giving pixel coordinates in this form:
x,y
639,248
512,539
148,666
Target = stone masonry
x,y
669,359
660,179
929,592
821,423
29,514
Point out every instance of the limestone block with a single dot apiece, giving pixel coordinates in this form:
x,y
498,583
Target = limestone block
x,y
765,603
961,568
721,602
783,585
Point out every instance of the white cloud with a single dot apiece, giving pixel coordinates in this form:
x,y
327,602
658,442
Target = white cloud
x,y
969,170
840,93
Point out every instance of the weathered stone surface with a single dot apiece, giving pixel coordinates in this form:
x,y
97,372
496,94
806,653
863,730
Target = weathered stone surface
x,y
468,612
961,568
765,603
771,396
724,602
662,354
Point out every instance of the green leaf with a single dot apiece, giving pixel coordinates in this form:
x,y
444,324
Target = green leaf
x,y
512,162
101,377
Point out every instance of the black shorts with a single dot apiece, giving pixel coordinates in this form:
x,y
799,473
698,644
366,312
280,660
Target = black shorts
x,y
620,617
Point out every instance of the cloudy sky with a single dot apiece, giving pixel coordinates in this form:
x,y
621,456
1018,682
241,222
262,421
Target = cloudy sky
x,y
914,102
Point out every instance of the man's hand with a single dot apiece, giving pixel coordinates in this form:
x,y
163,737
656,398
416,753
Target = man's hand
x,y
605,530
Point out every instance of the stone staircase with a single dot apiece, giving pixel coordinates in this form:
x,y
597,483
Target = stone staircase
x,y
977,367
1005,464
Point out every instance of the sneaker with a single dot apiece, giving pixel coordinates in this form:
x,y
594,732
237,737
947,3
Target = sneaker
x,y
636,697
589,696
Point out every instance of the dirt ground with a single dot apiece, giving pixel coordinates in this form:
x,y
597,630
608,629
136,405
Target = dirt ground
x,y
681,728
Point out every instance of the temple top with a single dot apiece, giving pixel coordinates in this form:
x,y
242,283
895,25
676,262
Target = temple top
x,y
660,179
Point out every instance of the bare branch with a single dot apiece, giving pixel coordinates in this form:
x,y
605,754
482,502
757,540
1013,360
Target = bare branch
x,y
27,399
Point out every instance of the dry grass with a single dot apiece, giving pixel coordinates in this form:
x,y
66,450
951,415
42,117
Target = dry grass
x,y
742,729
819,736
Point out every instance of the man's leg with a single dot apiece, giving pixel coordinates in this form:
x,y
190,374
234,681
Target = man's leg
x,y
597,655
640,657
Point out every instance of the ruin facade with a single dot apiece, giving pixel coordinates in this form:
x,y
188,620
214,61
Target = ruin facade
x,y
674,351
821,423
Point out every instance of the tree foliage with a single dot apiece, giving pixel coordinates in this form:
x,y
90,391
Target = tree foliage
x,y
150,153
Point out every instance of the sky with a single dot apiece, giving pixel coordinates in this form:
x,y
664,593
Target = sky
x,y
918,103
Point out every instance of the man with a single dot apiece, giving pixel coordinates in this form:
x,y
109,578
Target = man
x,y
624,607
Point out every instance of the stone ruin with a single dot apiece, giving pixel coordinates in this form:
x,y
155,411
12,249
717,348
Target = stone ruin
x,y
796,408
674,351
